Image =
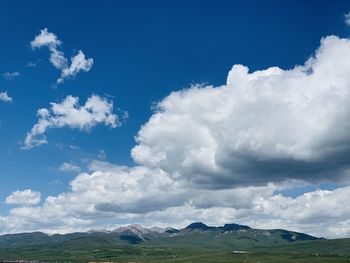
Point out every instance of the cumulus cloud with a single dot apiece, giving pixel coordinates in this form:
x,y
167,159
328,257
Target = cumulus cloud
x,y
4,97
51,41
109,194
45,38
68,167
265,126
57,58
68,113
25,197
11,75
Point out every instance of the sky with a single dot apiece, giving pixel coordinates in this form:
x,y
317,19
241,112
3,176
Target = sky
x,y
163,113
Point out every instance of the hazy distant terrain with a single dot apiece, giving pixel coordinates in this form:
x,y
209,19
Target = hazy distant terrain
x,y
195,243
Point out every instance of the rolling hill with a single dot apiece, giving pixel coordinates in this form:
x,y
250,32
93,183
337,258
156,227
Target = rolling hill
x,y
195,243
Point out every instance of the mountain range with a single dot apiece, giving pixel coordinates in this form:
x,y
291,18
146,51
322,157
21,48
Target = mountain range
x,y
132,242
136,234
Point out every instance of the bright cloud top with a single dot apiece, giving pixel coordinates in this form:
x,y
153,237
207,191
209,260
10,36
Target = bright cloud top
x,y
265,126
25,197
4,97
57,58
68,113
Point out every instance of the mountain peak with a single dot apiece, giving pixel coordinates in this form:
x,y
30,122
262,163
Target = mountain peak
x,y
197,225
136,229
234,227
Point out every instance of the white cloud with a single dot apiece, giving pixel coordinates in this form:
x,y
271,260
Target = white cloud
x,y
51,41
347,19
45,38
111,194
4,97
260,127
11,75
57,58
79,63
312,207
25,197
68,167
69,113
320,212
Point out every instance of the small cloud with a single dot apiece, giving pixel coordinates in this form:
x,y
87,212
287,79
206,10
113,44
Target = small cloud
x,y
59,145
25,197
45,38
68,113
74,147
32,64
125,115
101,155
11,75
78,63
68,167
55,182
4,97
347,19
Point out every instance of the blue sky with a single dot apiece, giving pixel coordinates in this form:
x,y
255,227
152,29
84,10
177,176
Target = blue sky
x,y
142,52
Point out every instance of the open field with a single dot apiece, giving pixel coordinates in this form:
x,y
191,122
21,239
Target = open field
x,y
309,251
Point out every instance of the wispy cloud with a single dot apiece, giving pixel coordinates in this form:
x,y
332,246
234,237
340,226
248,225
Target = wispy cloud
x,y
78,63
347,19
32,64
11,75
101,154
69,167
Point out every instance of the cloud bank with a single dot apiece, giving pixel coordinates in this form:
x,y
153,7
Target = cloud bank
x,y
109,195
68,113
57,58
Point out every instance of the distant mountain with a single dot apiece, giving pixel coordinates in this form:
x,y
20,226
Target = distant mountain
x,y
198,233
227,227
197,242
